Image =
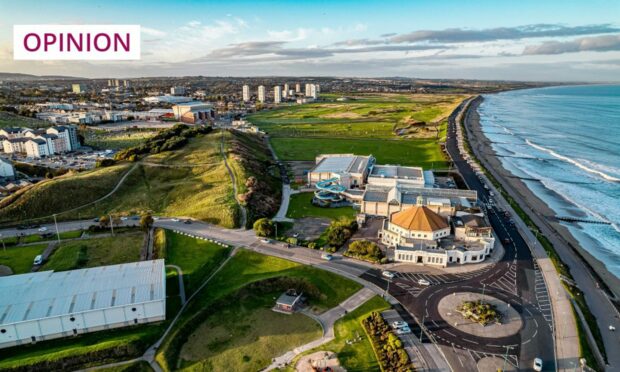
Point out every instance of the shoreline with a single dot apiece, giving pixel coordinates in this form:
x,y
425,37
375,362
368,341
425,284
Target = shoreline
x,y
570,244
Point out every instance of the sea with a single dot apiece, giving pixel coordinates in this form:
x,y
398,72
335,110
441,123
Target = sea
x,y
564,143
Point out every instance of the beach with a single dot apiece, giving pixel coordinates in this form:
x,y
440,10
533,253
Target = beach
x,y
585,268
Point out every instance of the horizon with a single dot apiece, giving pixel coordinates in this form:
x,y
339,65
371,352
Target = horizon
x,y
534,41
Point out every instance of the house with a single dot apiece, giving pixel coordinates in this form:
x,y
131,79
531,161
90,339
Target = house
x,y
6,169
36,148
288,302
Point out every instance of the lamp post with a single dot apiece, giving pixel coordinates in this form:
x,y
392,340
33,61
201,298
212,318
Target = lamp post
x,y
111,224
422,327
57,233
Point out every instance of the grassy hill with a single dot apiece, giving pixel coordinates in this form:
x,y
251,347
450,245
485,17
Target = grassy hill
x,y
189,182
403,129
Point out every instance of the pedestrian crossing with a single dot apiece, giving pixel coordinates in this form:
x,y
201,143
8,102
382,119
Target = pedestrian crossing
x,y
435,279
508,281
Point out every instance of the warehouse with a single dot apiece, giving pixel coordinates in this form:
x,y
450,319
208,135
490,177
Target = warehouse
x,y
46,305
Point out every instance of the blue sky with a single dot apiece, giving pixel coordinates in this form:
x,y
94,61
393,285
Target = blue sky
x,y
525,40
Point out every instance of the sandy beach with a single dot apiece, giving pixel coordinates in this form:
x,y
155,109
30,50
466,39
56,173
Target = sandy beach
x,y
569,249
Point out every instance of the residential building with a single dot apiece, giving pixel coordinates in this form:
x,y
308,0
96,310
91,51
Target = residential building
x,y
67,138
288,302
277,94
297,88
261,94
285,91
78,88
6,169
52,304
194,112
36,148
308,90
15,145
246,93
177,91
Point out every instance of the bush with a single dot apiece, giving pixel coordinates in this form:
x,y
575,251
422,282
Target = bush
x,y
105,162
312,245
339,232
365,250
264,227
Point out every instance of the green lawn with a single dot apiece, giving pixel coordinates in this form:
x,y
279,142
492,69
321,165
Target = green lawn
x,y
359,356
92,252
63,235
20,258
246,335
248,267
116,140
197,258
300,206
423,153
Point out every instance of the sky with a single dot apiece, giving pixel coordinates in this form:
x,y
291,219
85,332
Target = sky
x,y
560,40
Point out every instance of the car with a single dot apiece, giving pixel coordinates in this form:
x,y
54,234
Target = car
x,y
424,282
124,218
399,324
507,240
187,222
135,218
612,328
327,256
265,240
538,364
42,229
155,218
38,260
491,193
403,331
175,220
388,274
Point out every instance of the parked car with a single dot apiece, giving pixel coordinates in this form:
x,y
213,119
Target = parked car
x,y
187,222
327,256
399,324
388,274
507,240
403,331
265,240
38,260
42,229
612,328
424,282
175,220
538,365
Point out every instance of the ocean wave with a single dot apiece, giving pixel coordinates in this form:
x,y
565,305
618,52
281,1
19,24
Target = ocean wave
x,y
604,175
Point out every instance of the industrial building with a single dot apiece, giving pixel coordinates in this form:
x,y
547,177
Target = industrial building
x,y
59,304
194,112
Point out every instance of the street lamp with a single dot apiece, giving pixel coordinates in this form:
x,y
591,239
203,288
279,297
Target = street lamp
x,y
421,326
57,233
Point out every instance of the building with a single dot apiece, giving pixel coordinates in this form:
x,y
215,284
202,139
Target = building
x,y
78,88
421,236
288,302
277,94
246,93
67,138
297,88
14,145
167,99
308,90
6,169
60,304
390,175
285,91
261,93
177,91
194,112
350,170
314,92
36,148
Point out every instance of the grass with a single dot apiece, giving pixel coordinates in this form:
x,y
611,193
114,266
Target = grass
x,y
197,258
300,206
140,366
244,268
20,258
8,119
422,153
93,252
403,129
358,356
116,140
63,235
246,335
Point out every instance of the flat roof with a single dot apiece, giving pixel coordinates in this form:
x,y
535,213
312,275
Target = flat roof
x,y
48,294
342,164
396,171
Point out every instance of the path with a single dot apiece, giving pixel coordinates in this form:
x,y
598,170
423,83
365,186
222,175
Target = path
x,y
326,320
244,212
286,196
181,284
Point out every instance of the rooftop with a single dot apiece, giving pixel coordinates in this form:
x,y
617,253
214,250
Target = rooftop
x,y
347,163
49,294
419,218
396,171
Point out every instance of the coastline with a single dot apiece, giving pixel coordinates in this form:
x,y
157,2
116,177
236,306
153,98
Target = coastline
x,y
570,246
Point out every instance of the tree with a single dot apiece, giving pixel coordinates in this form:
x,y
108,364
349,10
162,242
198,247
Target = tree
x,y
146,221
264,227
104,221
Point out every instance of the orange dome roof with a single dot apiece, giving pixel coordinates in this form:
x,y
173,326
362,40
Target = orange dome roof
x,y
419,218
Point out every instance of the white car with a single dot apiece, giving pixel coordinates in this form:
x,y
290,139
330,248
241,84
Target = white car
x,y
175,220
327,257
124,218
612,328
388,274
265,240
38,260
403,331
424,282
42,229
538,364
399,324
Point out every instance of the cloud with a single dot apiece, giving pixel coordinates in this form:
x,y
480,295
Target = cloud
x,y
152,32
602,43
459,35
388,34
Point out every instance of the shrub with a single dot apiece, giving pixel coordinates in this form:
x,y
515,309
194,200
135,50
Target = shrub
x,y
366,250
264,227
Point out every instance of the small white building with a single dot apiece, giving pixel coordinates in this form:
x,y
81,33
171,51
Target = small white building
x,y
47,305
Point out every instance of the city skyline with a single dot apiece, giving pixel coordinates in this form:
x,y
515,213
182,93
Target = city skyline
x,y
544,41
